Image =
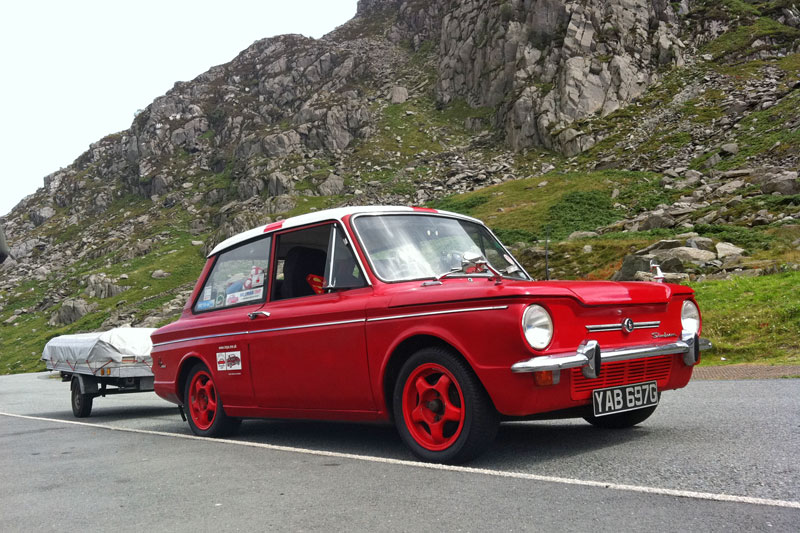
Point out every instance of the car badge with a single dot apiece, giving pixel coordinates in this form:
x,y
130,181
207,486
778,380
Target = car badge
x,y
663,335
627,325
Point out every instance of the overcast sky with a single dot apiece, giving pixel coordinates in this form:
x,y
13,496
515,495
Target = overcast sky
x,y
76,71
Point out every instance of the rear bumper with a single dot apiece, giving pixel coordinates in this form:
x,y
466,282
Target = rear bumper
x,y
589,356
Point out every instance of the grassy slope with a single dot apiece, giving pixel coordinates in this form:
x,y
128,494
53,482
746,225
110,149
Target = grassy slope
x,y
752,320
21,344
749,319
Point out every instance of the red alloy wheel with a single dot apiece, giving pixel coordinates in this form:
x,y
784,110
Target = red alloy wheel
x,y
202,400
433,407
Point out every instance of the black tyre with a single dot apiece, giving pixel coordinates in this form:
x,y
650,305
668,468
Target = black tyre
x,y
441,410
81,403
206,414
621,420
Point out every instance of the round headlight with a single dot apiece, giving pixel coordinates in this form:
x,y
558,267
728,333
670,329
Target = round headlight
x,y
690,317
537,326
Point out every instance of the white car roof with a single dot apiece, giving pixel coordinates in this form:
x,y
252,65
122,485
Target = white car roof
x,y
321,216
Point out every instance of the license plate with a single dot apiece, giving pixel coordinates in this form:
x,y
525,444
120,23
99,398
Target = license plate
x,y
624,398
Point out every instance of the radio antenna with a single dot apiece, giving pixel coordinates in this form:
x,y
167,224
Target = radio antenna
x,y
547,253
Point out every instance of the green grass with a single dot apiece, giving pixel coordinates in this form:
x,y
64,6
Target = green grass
x,y
740,39
21,344
462,203
573,201
306,204
751,239
763,132
580,211
751,320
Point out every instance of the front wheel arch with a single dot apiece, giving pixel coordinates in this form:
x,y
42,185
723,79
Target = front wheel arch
x,y
403,352
442,412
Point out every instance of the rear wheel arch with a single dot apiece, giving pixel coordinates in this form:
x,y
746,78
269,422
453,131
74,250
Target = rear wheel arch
x,y
404,351
185,368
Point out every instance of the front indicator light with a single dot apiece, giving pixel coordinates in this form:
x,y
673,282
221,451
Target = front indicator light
x,y
546,378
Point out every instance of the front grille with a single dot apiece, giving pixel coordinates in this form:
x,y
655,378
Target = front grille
x,y
622,373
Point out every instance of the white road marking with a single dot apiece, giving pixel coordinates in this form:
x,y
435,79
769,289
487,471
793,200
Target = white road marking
x,y
449,468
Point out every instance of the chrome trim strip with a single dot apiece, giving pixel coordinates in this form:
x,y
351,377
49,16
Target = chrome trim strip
x,y
304,326
337,323
431,313
604,327
613,327
199,338
579,358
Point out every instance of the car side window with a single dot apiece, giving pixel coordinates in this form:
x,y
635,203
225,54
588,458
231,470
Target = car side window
x,y
314,261
343,271
237,278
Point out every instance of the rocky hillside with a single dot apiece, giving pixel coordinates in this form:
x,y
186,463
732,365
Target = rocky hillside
x,y
609,126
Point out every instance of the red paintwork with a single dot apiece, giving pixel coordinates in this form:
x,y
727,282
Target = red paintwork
x,y
339,371
426,421
202,400
273,226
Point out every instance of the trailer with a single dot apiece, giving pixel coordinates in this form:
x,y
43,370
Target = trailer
x,y
101,363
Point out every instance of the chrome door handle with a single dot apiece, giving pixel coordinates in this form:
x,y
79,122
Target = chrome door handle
x,y
255,314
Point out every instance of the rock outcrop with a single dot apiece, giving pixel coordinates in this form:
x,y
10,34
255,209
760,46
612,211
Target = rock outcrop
x,y
70,311
548,63
415,100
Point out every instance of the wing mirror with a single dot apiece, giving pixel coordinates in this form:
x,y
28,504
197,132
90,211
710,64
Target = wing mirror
x,y
475,263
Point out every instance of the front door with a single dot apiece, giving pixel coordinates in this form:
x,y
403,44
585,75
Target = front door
x,y
309,353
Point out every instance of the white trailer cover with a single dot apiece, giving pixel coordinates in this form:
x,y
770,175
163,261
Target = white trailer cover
x,y
91,351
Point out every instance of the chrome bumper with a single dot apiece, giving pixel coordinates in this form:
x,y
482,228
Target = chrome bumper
x,y
589,356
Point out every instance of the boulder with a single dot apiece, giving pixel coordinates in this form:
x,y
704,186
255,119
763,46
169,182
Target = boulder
x,y
701,243
693,175
398,95
99,286
657,220
631,265
159,274
332,185
4,250
686,255
726,249
660,245
70,311
581,235
41,215
281,144
729,149
713,160
784,183
729,188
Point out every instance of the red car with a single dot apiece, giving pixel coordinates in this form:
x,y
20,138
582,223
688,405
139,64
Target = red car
x,y
417,316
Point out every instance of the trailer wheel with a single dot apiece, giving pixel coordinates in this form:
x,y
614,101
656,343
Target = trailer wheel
x,y
81,403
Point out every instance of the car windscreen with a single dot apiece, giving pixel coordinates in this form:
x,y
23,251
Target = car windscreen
x,y
406,247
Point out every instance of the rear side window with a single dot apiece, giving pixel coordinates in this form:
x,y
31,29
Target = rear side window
x,y
238,277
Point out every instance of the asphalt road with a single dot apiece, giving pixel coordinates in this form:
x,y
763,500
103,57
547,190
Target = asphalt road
x,y
715,456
